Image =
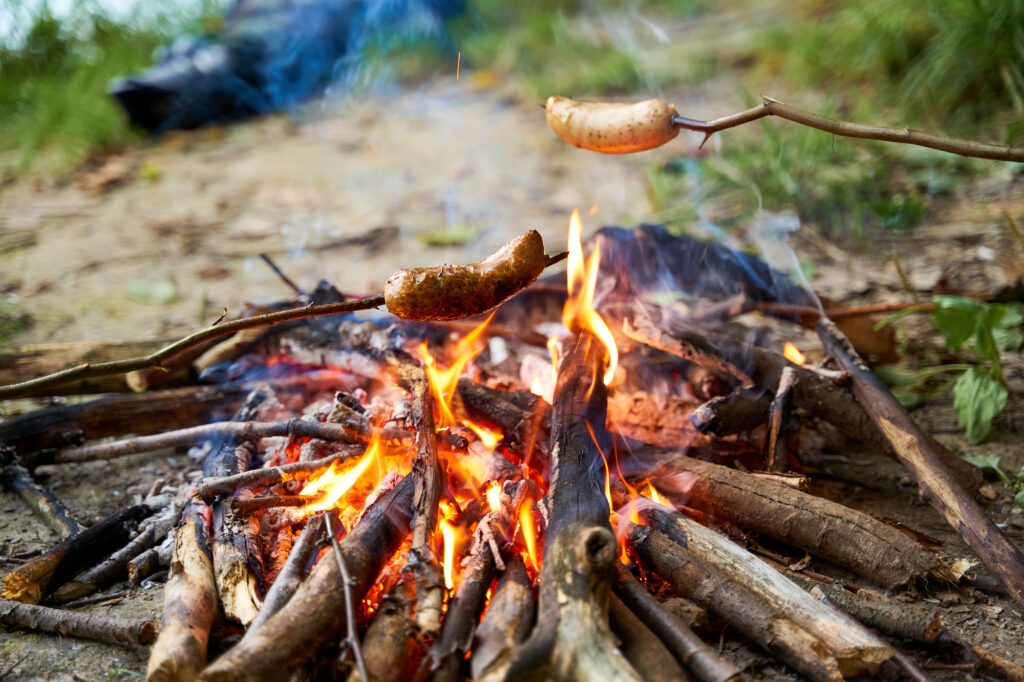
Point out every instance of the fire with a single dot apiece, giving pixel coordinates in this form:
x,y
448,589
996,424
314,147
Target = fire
x,y
449,535
494,496
654,495
579,310
792,354
489,437
334,483
444,381
529,531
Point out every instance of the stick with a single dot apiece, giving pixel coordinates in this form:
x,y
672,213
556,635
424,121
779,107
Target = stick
x,y
742,410
156,359
773,107
72,624
351,628
700,659
37,577
291,576
858,541
778,452
506,623
315,615
150,561
920,454
42,501
389,644
209,488
107,572
644,651
243,506
190,602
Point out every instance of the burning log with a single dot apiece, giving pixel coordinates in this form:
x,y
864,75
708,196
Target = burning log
x,y
39,576
925,458
209,488
521,416
865,545
243,506
291,576
644,651
778,454
315,614
856,651
43,502
190,602
389,644
699,659
506,623
71,624
572,639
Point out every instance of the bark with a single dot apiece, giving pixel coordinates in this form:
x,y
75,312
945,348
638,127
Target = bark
x,y
389,645
742,410
43,502
315,616
700,660
39,576
924,457
109,571
644,651
870,548
244,506
572,639
291,576
100,627
857,652
190,602
506,623
210,488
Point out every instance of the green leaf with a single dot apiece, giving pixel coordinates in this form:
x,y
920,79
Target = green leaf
x,y
977,398
988,463
1019,499
1006,326
957,318
889,319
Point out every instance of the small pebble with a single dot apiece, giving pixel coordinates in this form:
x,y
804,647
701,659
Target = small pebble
x,y
987,492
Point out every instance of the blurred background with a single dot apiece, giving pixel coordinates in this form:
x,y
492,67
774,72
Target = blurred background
x,y
150,151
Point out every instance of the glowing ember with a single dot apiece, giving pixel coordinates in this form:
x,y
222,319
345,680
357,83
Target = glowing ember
x,y
792,354
449,535
529,531
444,381
579,310
334,483
494,496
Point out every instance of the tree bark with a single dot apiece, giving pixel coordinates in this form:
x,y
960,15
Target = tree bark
x,y
72,624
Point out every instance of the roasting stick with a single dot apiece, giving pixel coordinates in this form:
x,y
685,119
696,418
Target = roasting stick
x,y
351,630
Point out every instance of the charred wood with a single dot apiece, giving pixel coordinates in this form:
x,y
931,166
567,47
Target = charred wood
x,y
43,502
210,488
72,624
389,644
778,451
522,417
644,651
291,576
506,623
109,571
742,410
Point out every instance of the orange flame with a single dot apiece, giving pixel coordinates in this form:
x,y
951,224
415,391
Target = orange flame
x,y
529,531
650,491
579,310
449,535
444,381
792,354
330,486
489,437
493,494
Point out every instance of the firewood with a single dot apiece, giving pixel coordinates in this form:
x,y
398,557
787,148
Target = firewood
x,y
209,488
572,639
506,623
150,561
243,506
72,624
39,576
389,643
925,458
856,651
700,660
522,417
742,410
291,576
778,453
36,434
644,651
42,501
107,572
749,614
869,547
190,602
314,616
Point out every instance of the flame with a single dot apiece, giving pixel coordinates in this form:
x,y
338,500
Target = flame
x,y
334,483
650,491
489,437
579,310
449,535
529,531
493,494
607,473
593,209
444,381
792,354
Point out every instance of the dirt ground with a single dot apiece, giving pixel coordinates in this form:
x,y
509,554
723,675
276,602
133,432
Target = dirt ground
x,y
155,241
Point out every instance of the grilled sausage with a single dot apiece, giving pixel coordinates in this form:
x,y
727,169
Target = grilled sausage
x,y
454,291
612,128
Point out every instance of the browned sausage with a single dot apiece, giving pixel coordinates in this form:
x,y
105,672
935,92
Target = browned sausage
x,y
612,128
454,291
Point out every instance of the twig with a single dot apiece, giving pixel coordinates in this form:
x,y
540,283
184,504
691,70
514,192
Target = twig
x,y
156,359
773,107
209,488
352,633
96,599
280,273
243,506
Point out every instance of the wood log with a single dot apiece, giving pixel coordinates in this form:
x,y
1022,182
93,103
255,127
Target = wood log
x,y
749,614
572,639
190,602
244,506
869,547
210,488
151,561
506,623
39,576
41,500
107,572
700,660
100,627
644,651
36,434
315,615
389,644
742,410
291,576
857,652
925,458
523,418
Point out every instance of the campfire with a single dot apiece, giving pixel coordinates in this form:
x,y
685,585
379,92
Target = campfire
x,y
513,497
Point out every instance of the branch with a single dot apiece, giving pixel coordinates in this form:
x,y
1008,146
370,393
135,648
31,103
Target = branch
x,y
773,107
